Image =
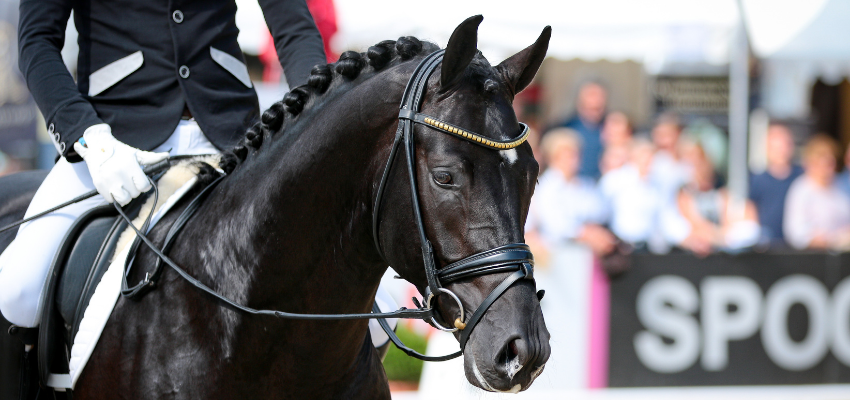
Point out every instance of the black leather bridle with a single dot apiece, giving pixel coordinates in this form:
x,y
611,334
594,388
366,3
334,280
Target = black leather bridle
x,y
515,257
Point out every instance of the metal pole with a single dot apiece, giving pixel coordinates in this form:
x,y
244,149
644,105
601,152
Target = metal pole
x,y
739,92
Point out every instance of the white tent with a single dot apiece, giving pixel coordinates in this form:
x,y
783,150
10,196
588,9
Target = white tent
x,y
812,29
651,32
798,42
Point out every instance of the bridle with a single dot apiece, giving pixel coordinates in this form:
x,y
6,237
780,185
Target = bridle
x,y
514,257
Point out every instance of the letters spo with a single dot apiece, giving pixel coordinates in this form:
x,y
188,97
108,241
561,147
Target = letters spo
x,y
666,306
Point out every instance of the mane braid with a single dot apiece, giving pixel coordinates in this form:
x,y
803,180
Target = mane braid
x,y
350,65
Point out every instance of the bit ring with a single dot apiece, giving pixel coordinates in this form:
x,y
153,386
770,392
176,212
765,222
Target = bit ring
x,y
456,299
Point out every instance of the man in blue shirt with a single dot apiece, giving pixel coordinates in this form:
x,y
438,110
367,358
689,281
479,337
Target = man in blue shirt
x,y
591,103
769,188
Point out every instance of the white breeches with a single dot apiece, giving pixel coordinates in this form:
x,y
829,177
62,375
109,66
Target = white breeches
x,y
25,263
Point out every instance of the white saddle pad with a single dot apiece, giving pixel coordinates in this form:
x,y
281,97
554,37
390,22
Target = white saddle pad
x,y
104,298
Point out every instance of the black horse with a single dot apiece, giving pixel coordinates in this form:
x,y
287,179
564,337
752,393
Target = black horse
x,y
290,229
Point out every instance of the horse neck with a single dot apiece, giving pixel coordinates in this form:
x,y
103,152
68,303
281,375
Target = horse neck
x,y
290,230
293,223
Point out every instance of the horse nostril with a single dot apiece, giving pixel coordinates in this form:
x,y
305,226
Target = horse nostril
x,y
511,358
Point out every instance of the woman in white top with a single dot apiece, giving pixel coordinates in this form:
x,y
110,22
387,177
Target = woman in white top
x,y
566,207
817,213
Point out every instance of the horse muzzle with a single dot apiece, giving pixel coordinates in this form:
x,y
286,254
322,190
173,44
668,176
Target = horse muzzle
x,y
510,364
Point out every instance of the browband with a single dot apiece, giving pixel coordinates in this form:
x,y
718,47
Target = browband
x,y
446,127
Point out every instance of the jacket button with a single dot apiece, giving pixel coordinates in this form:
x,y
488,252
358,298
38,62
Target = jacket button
x,y
177,15
50,128
184,71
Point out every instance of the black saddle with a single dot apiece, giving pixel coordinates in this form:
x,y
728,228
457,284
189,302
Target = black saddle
x,y
78,266
80,263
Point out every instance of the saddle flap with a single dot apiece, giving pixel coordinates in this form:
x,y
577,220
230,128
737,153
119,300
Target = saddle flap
x,y
74,268
85,252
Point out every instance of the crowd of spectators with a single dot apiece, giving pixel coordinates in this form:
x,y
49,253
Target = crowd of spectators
x,y
605,186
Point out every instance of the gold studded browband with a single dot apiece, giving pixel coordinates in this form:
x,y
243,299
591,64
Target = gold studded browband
x,y
464,134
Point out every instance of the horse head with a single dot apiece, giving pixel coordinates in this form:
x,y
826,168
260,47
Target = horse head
x,y
474,198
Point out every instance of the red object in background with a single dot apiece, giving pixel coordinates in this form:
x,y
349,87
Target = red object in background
x,y
531,94
324,13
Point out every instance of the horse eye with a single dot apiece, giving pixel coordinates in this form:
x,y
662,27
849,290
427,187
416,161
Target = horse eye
x,y
443,178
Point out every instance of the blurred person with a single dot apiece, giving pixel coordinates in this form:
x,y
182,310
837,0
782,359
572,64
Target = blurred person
x,y
665,134
842,181
8,165
768,189
526,106
710,212
616,136
690,153
534,139
613,158
817,213
591,103
566,206
165,79
668,170
713,141
616,130
633,197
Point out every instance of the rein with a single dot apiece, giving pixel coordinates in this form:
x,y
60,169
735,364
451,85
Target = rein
x,y
149,170
181,221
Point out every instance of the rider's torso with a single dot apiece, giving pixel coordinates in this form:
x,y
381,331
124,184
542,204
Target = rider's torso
x,y
142,62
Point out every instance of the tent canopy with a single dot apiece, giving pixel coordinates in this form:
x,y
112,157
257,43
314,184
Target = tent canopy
x,y
652,32
799,30
799,42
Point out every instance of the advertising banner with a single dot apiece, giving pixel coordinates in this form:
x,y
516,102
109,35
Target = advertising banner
x,y
749,319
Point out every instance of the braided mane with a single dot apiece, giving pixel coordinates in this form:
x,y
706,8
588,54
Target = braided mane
x,y
350,65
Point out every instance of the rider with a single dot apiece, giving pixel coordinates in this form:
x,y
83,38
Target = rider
x,y
155,78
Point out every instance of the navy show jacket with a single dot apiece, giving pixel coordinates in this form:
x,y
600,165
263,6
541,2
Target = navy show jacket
x,y
141,62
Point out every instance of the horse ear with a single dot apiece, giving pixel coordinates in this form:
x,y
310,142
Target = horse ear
x,y
459,52
520,68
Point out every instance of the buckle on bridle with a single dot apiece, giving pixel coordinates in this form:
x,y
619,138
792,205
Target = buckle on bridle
x,y
459,322
527,270
148,281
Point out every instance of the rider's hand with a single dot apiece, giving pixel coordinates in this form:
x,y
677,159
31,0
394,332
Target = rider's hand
x,y
114,166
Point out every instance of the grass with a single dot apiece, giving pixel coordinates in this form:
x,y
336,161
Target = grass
x,y
400,366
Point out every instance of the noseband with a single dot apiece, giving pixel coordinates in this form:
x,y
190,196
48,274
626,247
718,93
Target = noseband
x,y
515,257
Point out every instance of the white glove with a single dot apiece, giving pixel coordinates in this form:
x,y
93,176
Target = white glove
x,y
114,166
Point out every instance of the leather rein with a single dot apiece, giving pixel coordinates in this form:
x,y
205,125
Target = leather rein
x,y
515,257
